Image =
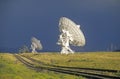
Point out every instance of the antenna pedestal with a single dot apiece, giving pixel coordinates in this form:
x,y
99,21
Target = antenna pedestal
x,y
66,50
64,40
34,51
33,47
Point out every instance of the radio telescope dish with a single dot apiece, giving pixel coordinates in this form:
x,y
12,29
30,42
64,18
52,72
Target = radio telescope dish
x,y
36,44
71,33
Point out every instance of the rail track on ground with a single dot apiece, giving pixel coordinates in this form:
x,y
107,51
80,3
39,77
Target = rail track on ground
x,y
89,73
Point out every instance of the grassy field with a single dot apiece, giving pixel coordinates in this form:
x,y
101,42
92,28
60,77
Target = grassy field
x,y
10,68
101,60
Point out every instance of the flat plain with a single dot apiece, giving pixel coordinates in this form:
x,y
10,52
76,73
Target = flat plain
x,y
11,68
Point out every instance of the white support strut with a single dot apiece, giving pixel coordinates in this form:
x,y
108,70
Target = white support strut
x,y
64,39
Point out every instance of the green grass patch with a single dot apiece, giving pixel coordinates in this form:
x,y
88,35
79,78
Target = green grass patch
x,y
11,68
100,60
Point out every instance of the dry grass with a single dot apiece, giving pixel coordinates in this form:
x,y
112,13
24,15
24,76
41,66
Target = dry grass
x,y
101,60
11,68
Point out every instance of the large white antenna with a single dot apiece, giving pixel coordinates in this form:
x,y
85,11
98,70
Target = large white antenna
x,y
70,34
36,44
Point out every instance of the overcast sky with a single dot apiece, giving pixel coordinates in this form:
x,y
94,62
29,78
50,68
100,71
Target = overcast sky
x,y
22,19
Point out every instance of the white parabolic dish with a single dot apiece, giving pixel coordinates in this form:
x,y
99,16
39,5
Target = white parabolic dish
x,y
74,30
37,43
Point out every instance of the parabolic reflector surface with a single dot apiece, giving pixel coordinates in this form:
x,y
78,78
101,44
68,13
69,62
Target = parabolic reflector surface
x,y
74,30
37,43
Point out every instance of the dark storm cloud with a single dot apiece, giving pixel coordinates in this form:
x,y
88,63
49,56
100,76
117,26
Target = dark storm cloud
x,y
22,19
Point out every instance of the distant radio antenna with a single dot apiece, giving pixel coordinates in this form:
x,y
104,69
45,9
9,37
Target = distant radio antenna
x,y
70,34
36,44
111,47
